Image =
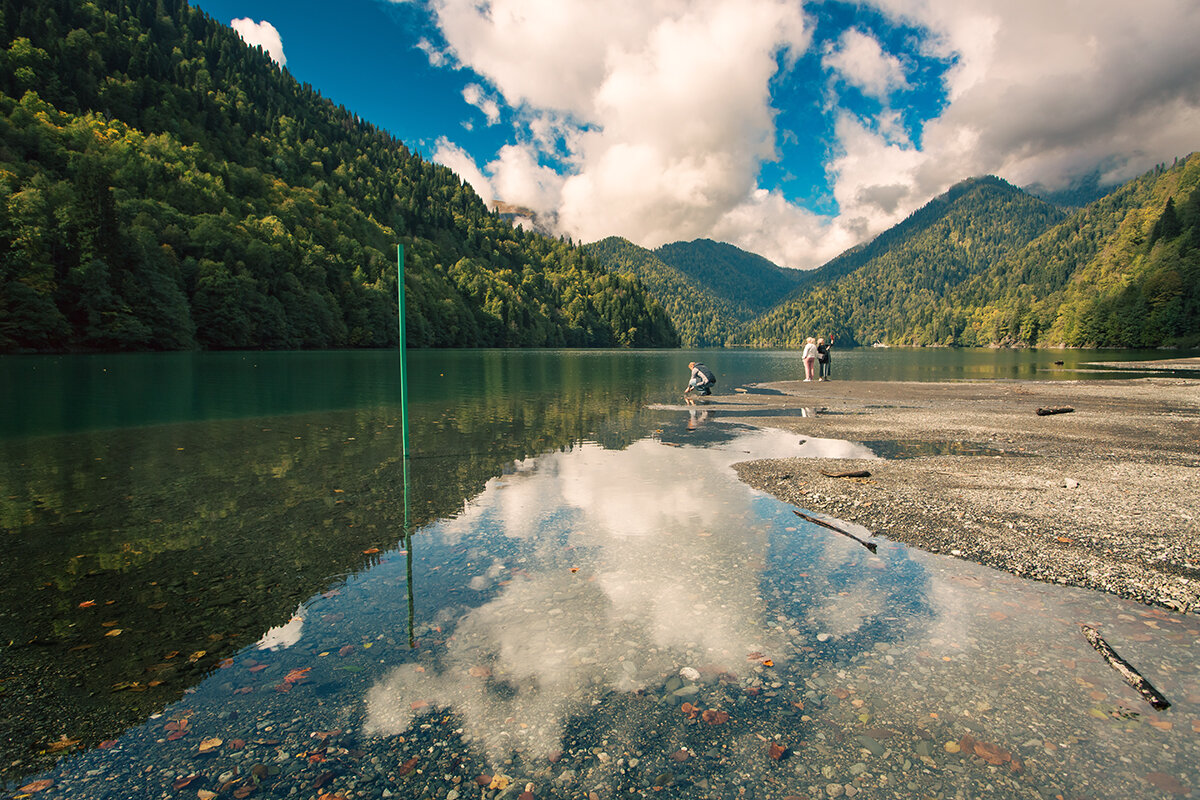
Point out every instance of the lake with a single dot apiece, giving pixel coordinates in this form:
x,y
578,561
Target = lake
x,y
216,580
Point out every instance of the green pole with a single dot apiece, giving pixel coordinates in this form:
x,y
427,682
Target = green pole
x,y
412,643
403,350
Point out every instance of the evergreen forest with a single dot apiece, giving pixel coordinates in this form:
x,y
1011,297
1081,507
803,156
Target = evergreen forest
x,y
987,264
166,187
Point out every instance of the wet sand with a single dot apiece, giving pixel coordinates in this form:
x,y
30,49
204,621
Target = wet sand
x,y
1104,497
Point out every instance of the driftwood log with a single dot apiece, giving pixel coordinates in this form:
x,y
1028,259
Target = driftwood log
x,y
1045,412
1131,675
854,473
869,545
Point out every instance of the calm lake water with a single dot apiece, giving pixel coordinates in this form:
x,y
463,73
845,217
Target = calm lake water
x,y
216,580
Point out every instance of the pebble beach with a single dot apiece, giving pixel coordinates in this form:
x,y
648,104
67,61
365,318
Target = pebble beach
x,y
1101,494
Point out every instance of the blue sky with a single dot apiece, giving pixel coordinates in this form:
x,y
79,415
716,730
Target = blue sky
x,y
790,129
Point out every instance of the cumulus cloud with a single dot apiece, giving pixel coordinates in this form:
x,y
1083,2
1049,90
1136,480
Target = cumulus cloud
x,y
660,114
860,61
474,94
261,34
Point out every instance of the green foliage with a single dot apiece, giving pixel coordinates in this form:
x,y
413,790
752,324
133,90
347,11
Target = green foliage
x,y
988,265
703,317
744,279
889,289
164,186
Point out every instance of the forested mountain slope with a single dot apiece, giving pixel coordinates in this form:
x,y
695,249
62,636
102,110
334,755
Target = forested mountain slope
x,y
702,317
890,289
744,279
1122,272
165,186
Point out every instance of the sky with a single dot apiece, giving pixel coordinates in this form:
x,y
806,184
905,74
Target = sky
x,y
790,128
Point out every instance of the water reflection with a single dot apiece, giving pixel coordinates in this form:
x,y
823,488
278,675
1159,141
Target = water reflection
x,y
629,569
628,620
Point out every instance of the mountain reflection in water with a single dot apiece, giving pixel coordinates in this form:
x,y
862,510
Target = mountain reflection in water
x,y
586,621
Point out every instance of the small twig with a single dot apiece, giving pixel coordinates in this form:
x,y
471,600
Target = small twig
x,y
1131,675
854,473
869,545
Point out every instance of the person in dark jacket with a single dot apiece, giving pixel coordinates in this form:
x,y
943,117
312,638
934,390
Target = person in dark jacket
x,y
824,351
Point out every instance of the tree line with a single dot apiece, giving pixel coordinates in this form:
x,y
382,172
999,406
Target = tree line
x,y
167,187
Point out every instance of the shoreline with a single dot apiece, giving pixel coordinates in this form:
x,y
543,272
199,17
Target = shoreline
x,y
1103,497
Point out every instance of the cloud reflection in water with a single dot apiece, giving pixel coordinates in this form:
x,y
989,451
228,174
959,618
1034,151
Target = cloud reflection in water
x,y
632,565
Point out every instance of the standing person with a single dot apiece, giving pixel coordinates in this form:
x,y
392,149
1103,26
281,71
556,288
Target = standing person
x,y
810,358
824,351
702,380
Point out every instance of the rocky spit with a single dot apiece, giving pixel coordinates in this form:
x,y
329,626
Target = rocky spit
x,y
1103,496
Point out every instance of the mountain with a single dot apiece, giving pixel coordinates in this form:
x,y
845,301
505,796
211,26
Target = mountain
x,y
165,186
1122,272
702,316
744,279
889,290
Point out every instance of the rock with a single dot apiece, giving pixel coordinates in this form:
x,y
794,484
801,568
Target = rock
x,y
834,789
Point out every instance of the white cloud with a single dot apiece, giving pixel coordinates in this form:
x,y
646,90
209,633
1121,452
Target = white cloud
x,y
261,34
520,180
860,61
474,95
451,155
660,111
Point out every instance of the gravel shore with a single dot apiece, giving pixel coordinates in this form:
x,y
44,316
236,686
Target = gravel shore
x,y
1103,496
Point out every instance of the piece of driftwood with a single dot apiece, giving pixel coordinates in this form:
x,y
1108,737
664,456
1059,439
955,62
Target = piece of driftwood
x,y
869,545
1131,675
1045,412
854,473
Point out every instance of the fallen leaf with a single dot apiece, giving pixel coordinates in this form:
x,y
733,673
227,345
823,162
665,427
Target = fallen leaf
x,y
258,667
407,766
61,744
483,780
184,781
114,632
225,663
370,551
205,794
37,786
107,744
499,782
766,662
1161,724
715,717
992,753
196,656
347,650
776,751
297,675
87,604
689,710
574,569
245,790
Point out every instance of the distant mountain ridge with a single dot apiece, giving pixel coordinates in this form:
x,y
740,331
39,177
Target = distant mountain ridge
x,y
702,315
884,286
745,279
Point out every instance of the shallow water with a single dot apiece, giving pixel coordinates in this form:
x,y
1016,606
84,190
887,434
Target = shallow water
x,y
621,619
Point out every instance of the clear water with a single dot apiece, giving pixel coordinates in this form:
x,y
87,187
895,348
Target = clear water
x,y
564,572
